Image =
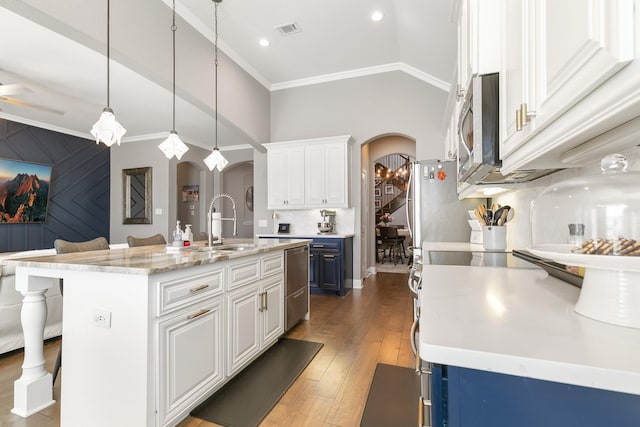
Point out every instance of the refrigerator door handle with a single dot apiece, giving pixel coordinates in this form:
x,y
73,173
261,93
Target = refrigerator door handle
x,y
406,203
415,327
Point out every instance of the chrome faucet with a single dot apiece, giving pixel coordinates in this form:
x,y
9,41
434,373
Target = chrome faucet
x,y
210,219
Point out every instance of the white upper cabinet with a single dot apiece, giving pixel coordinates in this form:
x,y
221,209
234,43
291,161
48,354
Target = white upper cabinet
x,y
555,55
308,173
478,40
285,180
326,174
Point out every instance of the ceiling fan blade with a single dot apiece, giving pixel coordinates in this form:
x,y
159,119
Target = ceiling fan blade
x,y
13,89
19,103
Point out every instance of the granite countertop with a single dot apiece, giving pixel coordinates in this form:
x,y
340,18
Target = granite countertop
x,y
522,322
148,260
308,236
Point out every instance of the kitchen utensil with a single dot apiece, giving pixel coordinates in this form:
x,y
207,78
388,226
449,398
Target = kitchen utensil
x,y
488,217
476,211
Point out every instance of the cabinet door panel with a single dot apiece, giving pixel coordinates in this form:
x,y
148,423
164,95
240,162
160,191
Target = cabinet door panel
x,y
513,75
273,314
191,348
295,179
331,271
335,175
277,178
315,175
580,45
313,269
244,341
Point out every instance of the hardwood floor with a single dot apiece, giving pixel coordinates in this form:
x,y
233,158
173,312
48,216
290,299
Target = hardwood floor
x,y
359,330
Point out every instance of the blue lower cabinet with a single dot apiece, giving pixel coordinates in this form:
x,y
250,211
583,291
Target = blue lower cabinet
x,y
473,398
439,395
331,265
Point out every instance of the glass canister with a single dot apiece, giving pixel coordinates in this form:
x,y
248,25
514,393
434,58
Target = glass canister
x,y
594,221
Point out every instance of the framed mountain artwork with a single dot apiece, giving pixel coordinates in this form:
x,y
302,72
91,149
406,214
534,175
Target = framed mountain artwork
x,y
24,191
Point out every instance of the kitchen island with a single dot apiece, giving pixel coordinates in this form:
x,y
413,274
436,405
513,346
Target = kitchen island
x,y
512,351
149,332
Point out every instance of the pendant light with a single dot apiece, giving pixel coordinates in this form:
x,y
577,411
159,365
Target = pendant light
x,y
107,129
173,146
216,159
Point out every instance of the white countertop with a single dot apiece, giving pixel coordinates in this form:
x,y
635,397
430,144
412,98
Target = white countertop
x,y
308,236
454,246
521,322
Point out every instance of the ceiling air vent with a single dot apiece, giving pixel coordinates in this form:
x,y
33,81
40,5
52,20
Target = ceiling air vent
x,y
290,28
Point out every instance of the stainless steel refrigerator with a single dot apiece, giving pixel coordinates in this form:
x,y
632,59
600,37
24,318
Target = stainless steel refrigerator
x,y
438,215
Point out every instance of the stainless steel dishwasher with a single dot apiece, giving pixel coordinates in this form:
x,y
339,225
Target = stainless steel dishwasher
x,y
296,285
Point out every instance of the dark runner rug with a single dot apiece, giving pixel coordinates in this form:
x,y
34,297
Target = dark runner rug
x,y
393,398
248,398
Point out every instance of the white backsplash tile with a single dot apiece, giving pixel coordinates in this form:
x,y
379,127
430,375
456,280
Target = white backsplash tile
x,y
306,221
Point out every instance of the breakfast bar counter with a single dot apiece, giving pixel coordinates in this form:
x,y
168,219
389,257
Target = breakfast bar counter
x,y
518,325
149,332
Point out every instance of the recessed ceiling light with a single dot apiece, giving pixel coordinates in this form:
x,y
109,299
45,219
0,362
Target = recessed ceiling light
x,y
264,42
377,15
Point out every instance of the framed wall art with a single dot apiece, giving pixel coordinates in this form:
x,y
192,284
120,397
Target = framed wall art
x,y
25,191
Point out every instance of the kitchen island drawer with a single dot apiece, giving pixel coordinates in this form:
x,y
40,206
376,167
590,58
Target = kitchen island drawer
x,y
272,264
243,272
176,292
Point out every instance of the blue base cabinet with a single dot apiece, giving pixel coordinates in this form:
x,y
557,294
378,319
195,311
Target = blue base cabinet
x,y
472,398
331,265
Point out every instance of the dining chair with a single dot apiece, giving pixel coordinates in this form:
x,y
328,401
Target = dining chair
x,y
157,239
392,241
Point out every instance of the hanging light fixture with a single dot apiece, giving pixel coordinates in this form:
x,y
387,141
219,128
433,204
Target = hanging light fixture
x,y
173,146
107,129
216,159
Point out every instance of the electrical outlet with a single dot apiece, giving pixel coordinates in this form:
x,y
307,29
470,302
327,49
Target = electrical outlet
x,y
102,318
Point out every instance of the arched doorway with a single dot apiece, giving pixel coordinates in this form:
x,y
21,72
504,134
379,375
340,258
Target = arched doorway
x,y
404,149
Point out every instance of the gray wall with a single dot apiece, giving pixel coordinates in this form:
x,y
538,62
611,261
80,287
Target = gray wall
x,y
236,180
138,155
78,207
167,191
366,108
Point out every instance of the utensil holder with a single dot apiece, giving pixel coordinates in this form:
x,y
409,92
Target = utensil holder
x,y
494,237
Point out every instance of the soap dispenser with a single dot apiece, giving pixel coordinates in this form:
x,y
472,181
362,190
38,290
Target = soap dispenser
x,y
177,235
187,236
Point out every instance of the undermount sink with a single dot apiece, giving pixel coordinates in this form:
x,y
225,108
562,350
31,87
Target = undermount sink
x,y
238,247
225,249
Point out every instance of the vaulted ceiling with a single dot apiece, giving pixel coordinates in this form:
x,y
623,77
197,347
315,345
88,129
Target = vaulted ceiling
x,y
56,51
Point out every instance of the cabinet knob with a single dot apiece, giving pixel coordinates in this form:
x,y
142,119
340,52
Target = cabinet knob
x,y
518,120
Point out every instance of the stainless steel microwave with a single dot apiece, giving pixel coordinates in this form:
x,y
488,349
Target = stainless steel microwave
x,y
478,130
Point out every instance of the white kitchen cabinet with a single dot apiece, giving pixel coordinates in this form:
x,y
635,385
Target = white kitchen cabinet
x,y
326,178
555,55
272,310
244,326
285,177
478,38
190,356
319,167
255,309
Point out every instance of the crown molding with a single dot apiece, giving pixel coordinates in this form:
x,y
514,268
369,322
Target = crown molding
x,y
47,126
361,72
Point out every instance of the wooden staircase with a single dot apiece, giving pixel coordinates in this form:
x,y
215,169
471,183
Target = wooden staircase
x,y
391,184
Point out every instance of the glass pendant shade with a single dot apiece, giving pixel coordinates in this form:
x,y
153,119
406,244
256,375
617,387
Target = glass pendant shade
x,y
216,160
173,146
107,129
